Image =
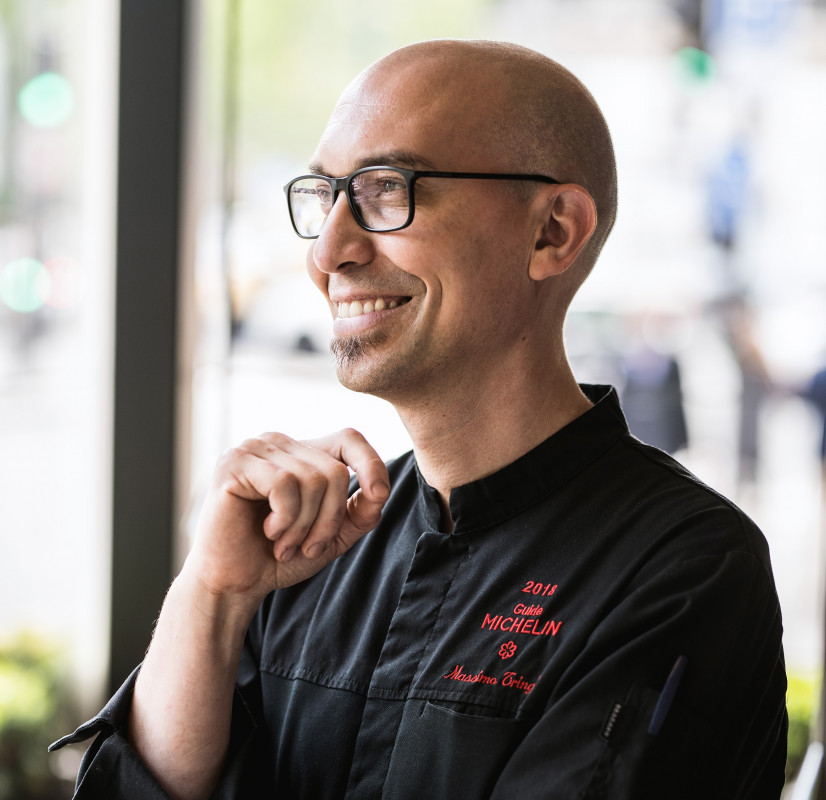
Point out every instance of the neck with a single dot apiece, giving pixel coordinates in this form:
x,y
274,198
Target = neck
x,y
486,427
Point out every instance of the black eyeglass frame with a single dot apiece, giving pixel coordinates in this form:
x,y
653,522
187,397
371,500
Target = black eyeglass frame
x,y
410,177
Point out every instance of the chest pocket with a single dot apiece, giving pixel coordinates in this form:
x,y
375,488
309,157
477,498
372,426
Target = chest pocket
x,y
441,753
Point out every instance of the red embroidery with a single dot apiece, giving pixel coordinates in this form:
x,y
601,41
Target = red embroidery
x,y
528,611
535,587
509,680
525,619
458,674
507,650
528,625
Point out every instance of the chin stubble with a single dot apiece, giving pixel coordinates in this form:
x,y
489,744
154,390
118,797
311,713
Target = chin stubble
x,y
347,350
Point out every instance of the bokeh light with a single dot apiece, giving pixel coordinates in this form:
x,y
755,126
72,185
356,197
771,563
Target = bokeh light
x,y
23,285
47,100
693,67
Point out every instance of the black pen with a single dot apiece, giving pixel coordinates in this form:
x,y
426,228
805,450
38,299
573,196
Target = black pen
x,y
666,697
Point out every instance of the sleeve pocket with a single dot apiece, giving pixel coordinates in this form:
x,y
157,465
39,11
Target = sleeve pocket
x,y
635,764
442,753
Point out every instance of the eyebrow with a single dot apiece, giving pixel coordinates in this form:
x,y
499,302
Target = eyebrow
x,y
393,158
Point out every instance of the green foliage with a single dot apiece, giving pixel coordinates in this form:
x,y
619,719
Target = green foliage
x,y
802,698
34,703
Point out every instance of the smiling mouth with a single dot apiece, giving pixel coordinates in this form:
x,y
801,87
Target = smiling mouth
x,y
358,307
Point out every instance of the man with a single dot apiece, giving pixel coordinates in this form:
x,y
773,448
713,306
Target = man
x,y
532,604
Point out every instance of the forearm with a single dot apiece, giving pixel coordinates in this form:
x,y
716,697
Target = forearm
x,y
272,501
182,704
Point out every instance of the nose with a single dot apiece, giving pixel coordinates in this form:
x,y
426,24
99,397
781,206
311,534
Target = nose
x,y
342,242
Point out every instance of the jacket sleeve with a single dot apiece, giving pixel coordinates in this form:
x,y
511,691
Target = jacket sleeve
x,y
112,770
678,693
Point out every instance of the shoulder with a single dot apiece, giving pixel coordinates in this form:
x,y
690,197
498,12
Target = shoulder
x,y
670,499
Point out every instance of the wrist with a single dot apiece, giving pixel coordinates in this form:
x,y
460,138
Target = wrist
x,y
225,611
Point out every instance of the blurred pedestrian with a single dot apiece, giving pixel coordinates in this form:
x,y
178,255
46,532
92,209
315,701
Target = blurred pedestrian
x,y
652,392
815,393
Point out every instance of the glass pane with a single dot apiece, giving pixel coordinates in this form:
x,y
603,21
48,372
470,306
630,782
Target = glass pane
x,y
57,125
706,308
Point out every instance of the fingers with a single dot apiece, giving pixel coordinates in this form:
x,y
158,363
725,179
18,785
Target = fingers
x,y
351,448
363,509
305,486
305,490
363,514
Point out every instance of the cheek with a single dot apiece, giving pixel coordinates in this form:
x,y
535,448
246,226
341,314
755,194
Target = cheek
x,y
488,286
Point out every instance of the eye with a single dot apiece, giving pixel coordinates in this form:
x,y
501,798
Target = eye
x,y
389,185
323,193
379,183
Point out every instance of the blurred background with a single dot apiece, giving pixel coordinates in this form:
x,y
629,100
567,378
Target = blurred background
x,y
154,308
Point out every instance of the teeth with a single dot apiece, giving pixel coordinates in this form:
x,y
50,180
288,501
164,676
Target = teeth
x,y
359,307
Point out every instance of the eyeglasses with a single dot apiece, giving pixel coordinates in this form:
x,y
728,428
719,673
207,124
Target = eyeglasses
x,y
381,198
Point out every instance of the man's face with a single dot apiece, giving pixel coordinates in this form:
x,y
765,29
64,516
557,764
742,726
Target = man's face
x,y
450,295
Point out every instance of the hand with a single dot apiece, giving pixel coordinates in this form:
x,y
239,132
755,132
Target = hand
x,y
277,511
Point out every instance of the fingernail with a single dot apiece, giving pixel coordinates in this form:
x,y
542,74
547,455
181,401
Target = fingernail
x,y
316,550
380,489
287,554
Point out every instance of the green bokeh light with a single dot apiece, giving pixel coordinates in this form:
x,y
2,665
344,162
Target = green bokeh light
x,y
23,285
47,100
694,66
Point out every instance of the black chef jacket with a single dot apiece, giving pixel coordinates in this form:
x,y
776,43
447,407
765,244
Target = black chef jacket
x,y
599,624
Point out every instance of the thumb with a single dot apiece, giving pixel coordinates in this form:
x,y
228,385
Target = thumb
x,y
364,512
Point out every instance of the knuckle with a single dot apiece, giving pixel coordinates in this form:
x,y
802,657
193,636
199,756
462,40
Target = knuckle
x,y
316,481
229,463
339,475
283,480
245,449
232,454
274,439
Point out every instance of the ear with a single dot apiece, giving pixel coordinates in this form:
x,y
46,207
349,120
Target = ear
x,y
569,220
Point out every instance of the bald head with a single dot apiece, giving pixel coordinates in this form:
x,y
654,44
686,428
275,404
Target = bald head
x,y
485,272
511,108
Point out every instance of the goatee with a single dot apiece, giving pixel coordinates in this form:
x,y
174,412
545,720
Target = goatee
x,y
347,350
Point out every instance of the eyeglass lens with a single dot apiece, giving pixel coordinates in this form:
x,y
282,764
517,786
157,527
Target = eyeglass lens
x,y
310,200
379,197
